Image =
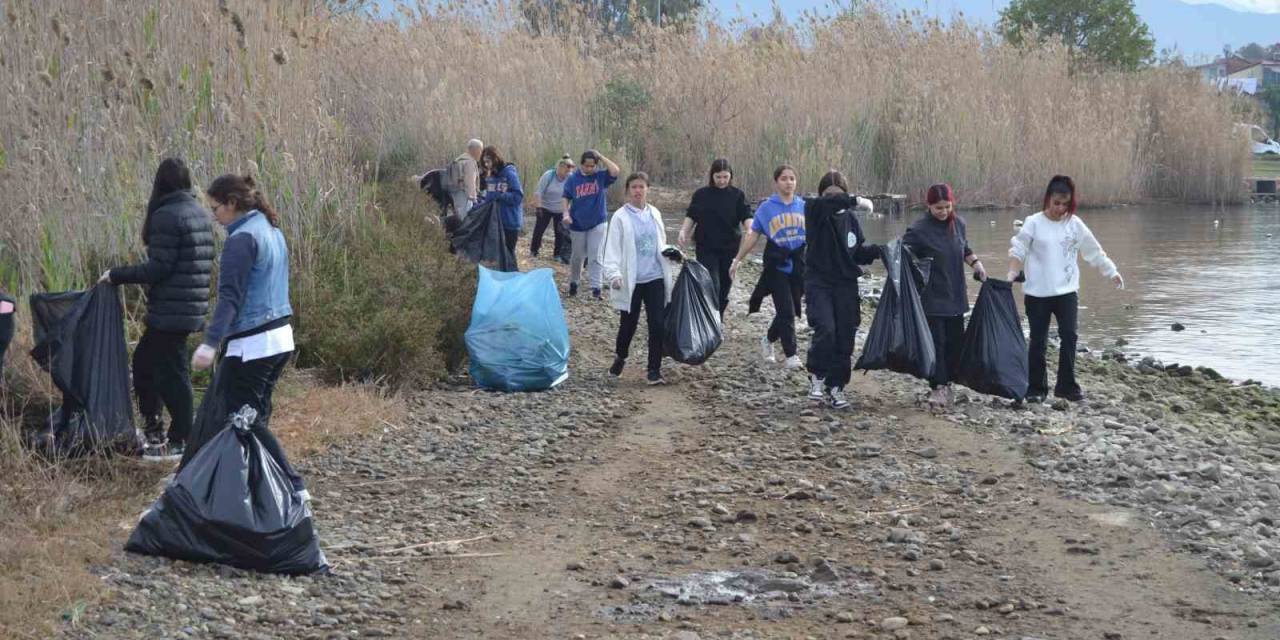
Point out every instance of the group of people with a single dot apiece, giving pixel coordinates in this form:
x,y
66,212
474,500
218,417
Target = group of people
x,y
249,334
814,253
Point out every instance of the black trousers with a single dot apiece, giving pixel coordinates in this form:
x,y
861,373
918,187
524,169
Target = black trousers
x,y
162,380
948,339
653,295
561,233
1065,308
717,262
6,335
834,316
783,326
252,383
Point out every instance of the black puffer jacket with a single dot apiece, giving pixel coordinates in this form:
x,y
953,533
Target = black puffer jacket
x,y
179,261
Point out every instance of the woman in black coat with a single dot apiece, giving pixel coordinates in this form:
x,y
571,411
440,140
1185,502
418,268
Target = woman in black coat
x,y
178,235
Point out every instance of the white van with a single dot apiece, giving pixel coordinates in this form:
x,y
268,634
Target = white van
x,y
1259,141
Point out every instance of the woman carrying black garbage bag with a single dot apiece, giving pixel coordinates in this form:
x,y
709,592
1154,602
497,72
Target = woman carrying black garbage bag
x,y
940,234
250,325
1047,248
638,274
178,236
716,220
836,249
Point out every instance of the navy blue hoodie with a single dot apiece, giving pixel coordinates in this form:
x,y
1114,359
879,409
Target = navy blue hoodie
x,y
504,186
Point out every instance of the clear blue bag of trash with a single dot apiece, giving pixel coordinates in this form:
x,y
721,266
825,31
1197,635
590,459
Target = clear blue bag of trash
x,y
518,339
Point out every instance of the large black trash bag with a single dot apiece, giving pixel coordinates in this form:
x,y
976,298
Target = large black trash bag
x,y
232,505
899,338
210,418
691,328
79,339
479,238
994,357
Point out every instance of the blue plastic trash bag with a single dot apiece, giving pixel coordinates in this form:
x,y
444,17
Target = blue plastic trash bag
x,y
518,339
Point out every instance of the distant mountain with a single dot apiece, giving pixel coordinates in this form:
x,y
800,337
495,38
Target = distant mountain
x,y
1202,29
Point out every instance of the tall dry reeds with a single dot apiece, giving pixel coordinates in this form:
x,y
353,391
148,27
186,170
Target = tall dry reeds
x,y
95,95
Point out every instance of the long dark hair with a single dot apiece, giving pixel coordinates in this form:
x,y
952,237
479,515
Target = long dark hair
x,y
499,163
832,178
242,193
1061,186
172,175
718,165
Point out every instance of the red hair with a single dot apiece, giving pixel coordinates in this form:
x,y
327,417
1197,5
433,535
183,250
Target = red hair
x,y
942,192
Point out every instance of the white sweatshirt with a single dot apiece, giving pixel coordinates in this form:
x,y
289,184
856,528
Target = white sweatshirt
x,y
1048,251
618,256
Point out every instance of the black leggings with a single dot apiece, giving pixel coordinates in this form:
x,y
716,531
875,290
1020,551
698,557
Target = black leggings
x,y
6,334
717,262
561,233
1066,309
948,339
161,379
653,295
783,326
252,383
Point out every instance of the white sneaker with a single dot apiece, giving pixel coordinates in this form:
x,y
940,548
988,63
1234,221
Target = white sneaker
x,y
815,388
304,496
838,399
793,362
766,349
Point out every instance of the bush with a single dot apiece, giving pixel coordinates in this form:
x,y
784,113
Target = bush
x,y
388,303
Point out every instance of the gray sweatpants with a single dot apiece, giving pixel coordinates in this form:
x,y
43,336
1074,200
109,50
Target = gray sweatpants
x,y
586,245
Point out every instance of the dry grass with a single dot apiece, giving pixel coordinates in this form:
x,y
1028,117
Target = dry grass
x,y
60,522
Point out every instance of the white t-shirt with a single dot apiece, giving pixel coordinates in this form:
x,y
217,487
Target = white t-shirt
x,y
262,345
1048,250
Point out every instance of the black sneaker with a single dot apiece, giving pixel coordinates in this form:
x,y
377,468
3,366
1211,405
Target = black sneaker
x,y
1034,399
655,377
1075,396
164,452
616,369
595,293
573,289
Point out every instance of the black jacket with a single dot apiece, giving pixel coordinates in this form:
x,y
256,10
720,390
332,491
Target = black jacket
x,y
836,245
946,293
180,258
774,256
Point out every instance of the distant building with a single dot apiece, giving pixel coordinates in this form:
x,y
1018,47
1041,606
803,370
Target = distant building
x,y
1241,74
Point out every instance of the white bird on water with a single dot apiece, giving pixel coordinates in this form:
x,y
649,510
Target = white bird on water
x,y
1217,222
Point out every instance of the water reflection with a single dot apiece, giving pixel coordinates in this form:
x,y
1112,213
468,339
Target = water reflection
x,y
1221,280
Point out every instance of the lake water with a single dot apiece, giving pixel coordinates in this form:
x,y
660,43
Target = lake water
x,y
1221,281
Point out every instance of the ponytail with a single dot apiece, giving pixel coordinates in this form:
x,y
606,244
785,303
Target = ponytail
x,y
242,193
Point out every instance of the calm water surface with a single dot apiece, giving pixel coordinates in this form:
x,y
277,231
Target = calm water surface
x,y
1221,281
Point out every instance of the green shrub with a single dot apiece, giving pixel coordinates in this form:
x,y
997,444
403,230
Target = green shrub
x,y
388,303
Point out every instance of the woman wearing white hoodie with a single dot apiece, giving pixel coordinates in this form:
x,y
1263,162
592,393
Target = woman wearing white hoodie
x,y
1046,248
631,262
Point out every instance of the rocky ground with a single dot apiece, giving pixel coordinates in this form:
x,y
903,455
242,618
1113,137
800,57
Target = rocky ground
x,y
727,505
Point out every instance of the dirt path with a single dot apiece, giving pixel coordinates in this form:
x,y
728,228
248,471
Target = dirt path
x,y
1026,562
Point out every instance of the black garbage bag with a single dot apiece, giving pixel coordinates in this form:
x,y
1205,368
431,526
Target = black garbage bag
x,y
899,338
994,357
232,505
210,417
691,327
79,339
479,238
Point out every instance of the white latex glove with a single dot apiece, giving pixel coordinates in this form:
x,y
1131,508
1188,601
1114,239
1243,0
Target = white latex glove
x,y
1011,276
616,283
1119,281
566,219
682,240
106,277
203,357
980,270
